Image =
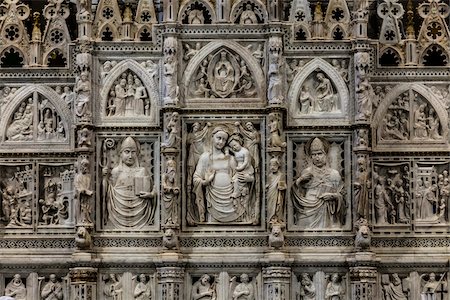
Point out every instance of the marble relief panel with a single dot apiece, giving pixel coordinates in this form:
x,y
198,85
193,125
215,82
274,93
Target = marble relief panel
x,y
223,173
126,186
319,188
17,187
56,195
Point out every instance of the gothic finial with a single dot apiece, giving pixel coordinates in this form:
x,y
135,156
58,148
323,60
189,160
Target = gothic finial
x,y
410,20
36,33
318,15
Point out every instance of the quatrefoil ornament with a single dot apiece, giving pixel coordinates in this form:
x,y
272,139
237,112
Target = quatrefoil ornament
x,y
390,11
56,9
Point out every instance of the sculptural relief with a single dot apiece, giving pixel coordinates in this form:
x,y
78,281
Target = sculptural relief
x,y
112,287
143,289
127,187
248,16
204,288
362,238
16,289
275,191
83,96
307,288
17,186
50,126
318,95
189,51
275,88
317,194
275,139
276,237
341,67
128,97
173,138
52,289
170,239
225,181
335,289
293,67
362,187
433,285
56,195
7,95
395,288
392,202
84,192
244,289
83,239
170,85
171,192
84,138
432,193
411,118
223,75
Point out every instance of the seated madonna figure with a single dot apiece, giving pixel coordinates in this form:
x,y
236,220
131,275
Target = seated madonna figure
x,y
213,183
130,190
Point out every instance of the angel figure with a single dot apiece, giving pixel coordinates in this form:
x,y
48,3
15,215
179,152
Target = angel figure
x,y
431,288
245,290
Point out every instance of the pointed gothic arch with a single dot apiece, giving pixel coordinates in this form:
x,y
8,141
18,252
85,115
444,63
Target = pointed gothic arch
x,y
185,6
147,81
333,75
66,116
214,47
427,94
261,10
12,49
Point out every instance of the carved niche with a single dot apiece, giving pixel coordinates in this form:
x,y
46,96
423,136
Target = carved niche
x,y
431,193
129,92
36,117
16,187
314,206
126,189
225,71
56,195
318,91
392,203
410,118
223,174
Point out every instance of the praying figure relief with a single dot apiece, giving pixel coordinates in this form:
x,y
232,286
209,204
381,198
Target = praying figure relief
x,y
16,186
53,289
275,88
335,289
16,289
432,194
248,16
143,290
307,288
433,286
113,287
171,192
362,186
317,194
128,191
128,97
391,194
56,193
244,289
394,288
318,95
204,288
170,86
225,182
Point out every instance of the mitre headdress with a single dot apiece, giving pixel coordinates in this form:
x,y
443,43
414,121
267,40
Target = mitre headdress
x,y
129,142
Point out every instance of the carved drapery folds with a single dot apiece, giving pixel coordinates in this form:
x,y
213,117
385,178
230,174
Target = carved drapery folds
x,y
317,193
224,187
127,193
410,117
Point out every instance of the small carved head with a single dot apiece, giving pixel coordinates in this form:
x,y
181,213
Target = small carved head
x,y
244,278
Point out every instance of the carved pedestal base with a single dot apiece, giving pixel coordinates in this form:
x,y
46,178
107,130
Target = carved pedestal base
x,y
363,276
170,283
276,283
83,283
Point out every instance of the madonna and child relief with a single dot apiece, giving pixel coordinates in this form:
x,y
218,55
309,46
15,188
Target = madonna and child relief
x,y
224,175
